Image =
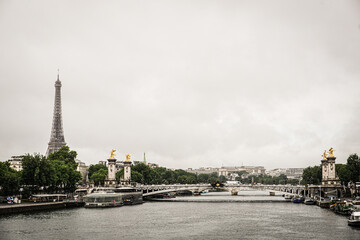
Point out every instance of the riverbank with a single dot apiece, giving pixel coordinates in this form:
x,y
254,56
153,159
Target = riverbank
x,y
33,207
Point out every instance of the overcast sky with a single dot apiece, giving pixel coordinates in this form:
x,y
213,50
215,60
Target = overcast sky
x,y
191,83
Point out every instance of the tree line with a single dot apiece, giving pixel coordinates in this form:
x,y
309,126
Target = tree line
x,y
55,173
142,173
269,180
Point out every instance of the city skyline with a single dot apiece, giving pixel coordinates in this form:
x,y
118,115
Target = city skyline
x,y
192,84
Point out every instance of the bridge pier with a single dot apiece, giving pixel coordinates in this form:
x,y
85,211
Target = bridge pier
x,y
234,192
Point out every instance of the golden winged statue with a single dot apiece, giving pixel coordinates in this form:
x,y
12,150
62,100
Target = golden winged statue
x,y
128,157
331,152
112,154
324,155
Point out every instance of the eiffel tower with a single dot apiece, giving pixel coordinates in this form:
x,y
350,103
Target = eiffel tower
x,y
57,139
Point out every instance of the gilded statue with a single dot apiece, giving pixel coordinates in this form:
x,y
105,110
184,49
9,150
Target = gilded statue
x,y
112,154
331,152
128,157
324,155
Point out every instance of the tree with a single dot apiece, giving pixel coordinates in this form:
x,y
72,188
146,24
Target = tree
x,y
65,155
99,177
353,167
203,178
282,179
148,174
135,176
182,179
9,179
95,168
169,177
37,172
120,174
293,181
343,173
66,176
222,179
213,178
161,175
312,175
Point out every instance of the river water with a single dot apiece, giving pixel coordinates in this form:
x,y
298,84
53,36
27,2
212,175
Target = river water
x,y
239,219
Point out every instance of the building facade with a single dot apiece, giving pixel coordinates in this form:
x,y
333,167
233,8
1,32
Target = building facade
x,y
83,169
16,162
230,171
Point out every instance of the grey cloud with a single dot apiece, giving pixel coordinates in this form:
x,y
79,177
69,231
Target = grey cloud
x,y
192,83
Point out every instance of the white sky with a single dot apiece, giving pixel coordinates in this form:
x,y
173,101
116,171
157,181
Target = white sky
x,y
191,83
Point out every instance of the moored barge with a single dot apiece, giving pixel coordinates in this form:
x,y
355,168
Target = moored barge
x,y
354,219
112,197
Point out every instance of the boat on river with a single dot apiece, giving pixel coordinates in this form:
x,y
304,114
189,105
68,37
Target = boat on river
x,y
354,219
288,198
309,201
112,197
356,205
103,199
343,207
298,199
130,195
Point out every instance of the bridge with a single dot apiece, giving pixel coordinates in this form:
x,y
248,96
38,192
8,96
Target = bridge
x,y
151,190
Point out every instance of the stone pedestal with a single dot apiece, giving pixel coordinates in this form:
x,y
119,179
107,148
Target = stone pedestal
x,y
328,172
111,179
127,172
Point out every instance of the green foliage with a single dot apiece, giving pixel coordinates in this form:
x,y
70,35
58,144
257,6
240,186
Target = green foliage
x,y
136,176
57,172
282,179
63,162
95,168
213,178
144,174
37,172
203,178
222,179
99,177
183,177
65,155
98,174
312,175
343,173
269,180
353,167
9,179
120,174
293,181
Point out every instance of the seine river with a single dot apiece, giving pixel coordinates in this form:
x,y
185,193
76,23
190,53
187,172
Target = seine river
x,y
236,218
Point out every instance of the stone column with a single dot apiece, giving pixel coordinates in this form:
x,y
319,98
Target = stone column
x,y
127,171
111,169
325,172
331,167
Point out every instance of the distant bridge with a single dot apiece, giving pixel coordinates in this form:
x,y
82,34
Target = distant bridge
x,y
150,190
